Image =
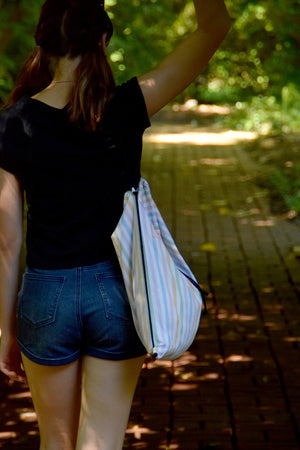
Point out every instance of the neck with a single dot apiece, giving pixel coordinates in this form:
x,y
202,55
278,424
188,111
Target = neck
x,y
65,70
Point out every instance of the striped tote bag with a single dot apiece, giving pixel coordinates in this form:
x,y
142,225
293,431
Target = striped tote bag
x,y
165,298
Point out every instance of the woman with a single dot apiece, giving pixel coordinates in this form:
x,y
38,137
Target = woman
x,y
72,142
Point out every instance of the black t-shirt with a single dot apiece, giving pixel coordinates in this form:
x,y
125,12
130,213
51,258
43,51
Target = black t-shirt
x,y
74,181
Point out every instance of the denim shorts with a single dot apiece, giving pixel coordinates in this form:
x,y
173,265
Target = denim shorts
x,y
64,314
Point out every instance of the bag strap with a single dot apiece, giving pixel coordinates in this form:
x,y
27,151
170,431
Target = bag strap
x,y
135,192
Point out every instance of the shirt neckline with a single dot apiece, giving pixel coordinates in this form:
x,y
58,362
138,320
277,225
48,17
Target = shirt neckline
x,y
45,105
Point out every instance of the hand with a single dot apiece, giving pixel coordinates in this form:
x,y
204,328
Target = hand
x,y
10,359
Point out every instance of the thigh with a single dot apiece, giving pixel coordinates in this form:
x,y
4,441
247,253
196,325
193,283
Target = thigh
x,y
56,397
107,391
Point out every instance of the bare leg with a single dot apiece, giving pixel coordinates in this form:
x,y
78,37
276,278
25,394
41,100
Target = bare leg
x,y
56,397
107,391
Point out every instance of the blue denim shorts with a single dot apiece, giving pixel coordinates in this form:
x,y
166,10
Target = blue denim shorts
x,y
64,314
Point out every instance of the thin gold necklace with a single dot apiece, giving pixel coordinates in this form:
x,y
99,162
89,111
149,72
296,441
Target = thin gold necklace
x,y
56,82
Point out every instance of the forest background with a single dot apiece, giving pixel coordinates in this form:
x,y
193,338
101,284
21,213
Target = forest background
x,y
255,72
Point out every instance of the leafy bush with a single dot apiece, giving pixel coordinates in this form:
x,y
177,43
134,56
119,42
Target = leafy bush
x,y
287,182
267,115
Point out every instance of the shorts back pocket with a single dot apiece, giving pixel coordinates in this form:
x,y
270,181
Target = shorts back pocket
x,y
38,298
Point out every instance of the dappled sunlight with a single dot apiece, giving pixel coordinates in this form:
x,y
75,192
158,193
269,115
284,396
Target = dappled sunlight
x,y
184,386
7,435
292,339
203,109
19,395
238,359
243,317
170,446
264,223
257,335
10,436
149,364
28,416
245,219
213,162
209,377
186,358
19,422
190,376
224,314
228,137
138,431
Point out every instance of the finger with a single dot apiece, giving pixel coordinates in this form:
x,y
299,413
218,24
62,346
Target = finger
x,y
13,375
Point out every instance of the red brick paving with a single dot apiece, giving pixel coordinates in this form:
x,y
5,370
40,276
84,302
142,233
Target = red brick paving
x,y
238,387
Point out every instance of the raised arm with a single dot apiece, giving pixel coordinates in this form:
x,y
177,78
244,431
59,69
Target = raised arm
x,y
175,72
11,236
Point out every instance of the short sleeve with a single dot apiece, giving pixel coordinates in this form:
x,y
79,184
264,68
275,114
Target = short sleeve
x,y
4,159
3,163
132,104
11,135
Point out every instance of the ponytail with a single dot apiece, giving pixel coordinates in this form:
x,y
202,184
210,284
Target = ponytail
x,y
34,76
93,88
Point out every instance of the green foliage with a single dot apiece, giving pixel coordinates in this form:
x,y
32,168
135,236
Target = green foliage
x,y
18,19
262,51
257,65
145,31
267,115
287,182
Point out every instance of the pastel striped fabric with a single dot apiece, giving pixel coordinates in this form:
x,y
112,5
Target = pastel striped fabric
x,y
166,306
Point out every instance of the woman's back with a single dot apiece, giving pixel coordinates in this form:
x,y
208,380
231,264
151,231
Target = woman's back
x,y
74,180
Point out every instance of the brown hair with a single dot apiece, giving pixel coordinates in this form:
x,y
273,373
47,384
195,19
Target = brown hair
x,y
72,28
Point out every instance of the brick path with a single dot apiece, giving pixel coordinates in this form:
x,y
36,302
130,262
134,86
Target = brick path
x,y
238,387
